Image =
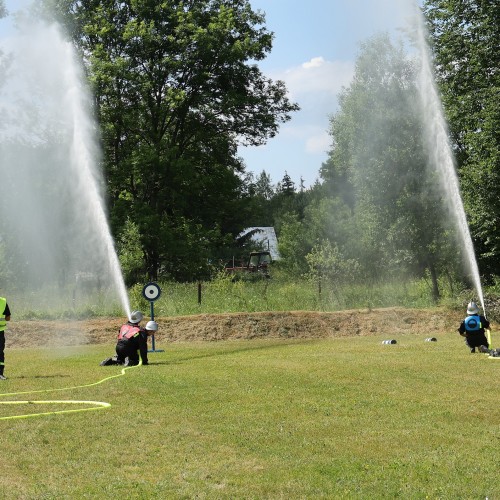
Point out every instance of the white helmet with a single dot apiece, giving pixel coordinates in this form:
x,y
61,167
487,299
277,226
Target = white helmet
x,y
152,326
472,308
136,317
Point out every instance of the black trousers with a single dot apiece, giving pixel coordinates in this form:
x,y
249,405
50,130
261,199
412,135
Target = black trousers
x,y
126,349
2,353
476,339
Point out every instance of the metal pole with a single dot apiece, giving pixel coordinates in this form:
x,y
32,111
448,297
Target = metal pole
x,y
152,291
152,309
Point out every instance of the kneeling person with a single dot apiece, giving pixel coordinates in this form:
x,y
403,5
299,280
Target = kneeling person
x,y
473,328
132,341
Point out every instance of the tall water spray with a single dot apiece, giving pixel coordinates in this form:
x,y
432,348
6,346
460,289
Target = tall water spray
x,y
440,151
55,235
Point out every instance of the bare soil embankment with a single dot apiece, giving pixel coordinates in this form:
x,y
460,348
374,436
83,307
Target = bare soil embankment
x,y
212,327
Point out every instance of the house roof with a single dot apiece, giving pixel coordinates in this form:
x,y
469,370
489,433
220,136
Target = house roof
x,y
266,236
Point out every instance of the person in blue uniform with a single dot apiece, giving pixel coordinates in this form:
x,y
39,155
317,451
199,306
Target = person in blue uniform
x,y
473,328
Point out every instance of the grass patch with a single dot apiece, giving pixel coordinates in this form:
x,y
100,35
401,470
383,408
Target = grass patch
x,y
335,418
282,292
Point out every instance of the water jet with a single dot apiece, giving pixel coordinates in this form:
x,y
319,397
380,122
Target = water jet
x,y
55,234
440,152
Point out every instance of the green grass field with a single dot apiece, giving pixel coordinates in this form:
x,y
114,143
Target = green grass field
x,y
337,418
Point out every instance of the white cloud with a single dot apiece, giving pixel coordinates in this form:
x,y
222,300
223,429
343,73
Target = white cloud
x,y
302,144
318,144
314,139
317,75
315,62
315,85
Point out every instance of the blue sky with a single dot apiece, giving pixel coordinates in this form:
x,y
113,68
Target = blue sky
x,y
314,52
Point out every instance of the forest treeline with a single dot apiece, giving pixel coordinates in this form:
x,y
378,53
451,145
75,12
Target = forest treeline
x,y
177,89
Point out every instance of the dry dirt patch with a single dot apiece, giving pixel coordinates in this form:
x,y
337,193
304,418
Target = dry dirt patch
x,y
212,327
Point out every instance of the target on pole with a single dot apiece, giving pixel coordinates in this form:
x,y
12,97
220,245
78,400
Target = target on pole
x,y
151,292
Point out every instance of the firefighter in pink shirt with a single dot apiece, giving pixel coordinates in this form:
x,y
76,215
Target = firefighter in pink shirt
x,y
132,342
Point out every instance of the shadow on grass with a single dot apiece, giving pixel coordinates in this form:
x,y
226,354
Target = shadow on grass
x,y
41,376
239,349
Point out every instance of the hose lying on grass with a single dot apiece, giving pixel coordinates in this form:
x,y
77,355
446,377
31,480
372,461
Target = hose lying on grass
x,y
96,405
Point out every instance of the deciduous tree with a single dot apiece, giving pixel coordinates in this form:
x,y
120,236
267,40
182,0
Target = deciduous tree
x,y
177,89
377,166
466,39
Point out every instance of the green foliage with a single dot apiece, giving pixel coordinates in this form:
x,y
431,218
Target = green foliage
x,y
286,186
263,186
466,38
335,286
378,171
331,291
258,196
129,251
326,261
271,418
293,244
176,88
176,91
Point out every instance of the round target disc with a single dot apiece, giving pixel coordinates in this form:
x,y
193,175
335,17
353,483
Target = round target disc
x,y
151,291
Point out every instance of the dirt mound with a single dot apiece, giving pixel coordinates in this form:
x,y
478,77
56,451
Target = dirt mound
x,y
212,327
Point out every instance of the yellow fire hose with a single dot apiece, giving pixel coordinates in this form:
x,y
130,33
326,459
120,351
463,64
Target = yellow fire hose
x,y
96,405
487,332
488,337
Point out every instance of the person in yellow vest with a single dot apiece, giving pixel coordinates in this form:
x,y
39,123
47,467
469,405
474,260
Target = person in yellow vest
x,y
4,317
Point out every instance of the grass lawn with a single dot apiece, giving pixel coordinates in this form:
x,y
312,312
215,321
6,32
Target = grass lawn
x,y
336,418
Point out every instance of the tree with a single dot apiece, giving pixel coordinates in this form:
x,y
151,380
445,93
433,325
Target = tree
x,y
258,195
377,167
293,243
263,186
465,38
176,92
286,186
326,261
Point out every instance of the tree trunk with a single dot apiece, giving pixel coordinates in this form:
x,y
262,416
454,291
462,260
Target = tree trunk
x,y
152,266
435,285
